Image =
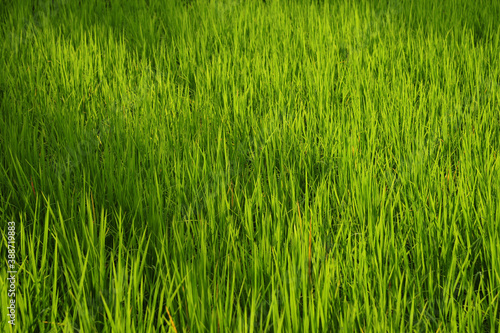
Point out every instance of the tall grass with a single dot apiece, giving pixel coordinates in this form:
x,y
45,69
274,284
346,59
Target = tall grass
x,y
251,166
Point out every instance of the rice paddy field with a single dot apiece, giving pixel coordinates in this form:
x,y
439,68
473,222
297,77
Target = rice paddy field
x,y
249,166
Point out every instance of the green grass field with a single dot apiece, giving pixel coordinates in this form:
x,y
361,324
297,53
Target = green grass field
x,y
249,166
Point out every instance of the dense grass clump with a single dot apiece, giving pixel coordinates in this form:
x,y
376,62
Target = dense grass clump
x,y
234,166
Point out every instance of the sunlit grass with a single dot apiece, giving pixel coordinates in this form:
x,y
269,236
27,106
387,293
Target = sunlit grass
x,y
235,166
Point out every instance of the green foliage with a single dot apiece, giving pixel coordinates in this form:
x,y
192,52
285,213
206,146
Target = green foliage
x,y
279,166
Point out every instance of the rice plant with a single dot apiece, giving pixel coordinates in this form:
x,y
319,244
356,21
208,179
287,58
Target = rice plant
x,y
250,166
